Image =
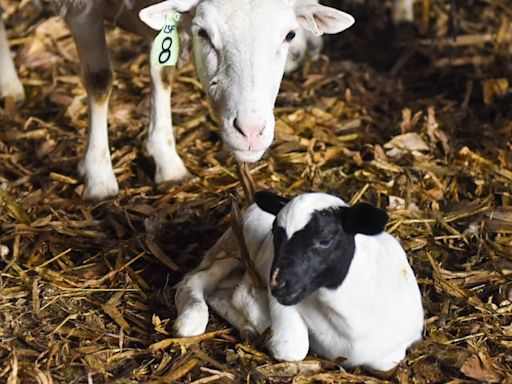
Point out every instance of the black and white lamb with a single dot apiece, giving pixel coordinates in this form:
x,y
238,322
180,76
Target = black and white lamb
x,y
337,283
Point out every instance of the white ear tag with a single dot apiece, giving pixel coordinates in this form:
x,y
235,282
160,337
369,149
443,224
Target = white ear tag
x,y
166,46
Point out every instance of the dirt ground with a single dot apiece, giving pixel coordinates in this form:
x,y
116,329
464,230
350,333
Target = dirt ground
x,y
408,118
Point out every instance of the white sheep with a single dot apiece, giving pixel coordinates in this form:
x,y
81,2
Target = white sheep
x,y
336,283
307,44
240,49
10,84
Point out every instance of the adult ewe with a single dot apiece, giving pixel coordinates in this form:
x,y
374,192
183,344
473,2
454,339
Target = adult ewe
x,y
240,49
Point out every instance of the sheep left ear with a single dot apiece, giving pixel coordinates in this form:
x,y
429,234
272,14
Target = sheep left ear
x,y
363,218
270,202
320,19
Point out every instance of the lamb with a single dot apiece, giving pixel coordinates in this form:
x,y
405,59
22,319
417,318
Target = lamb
x,y
240,49
335,283
10,84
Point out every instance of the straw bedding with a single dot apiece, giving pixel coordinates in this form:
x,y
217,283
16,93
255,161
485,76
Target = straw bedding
x,y
408,119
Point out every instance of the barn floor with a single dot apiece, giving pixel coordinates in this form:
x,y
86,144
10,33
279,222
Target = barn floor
x,y
407,119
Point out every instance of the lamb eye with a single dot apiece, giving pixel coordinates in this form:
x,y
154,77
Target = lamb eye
x,y
290,36
324,243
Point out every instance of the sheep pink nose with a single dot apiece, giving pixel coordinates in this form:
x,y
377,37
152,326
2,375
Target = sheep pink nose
x,y
251,129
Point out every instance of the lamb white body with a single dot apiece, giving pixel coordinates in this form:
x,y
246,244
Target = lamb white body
x,y
375,315
370,319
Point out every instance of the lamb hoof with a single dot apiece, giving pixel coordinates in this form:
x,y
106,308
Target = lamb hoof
x,y
193,321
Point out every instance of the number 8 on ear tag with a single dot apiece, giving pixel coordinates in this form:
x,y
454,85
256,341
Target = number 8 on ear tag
x,y
166,46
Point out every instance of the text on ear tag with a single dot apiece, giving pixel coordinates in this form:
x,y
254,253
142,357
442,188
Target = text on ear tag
x,y
166,46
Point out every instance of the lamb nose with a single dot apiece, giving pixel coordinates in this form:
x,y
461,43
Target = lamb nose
x,y
273,280
280,285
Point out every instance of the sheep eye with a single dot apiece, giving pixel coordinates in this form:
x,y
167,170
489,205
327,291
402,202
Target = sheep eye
x,y
203,34
290,36
324,243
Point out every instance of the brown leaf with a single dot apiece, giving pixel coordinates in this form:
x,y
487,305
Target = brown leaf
x,y
475,369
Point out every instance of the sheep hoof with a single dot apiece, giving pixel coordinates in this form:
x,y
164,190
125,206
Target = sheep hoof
x,y
100,181
13,89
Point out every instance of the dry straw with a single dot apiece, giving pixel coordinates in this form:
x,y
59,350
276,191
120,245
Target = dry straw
x,y
417,124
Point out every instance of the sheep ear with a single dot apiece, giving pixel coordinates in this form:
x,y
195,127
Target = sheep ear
x,y
270,202
154,15
320,19
363,218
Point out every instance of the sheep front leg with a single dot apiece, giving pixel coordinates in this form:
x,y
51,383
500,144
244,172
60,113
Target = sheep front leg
x,y
160,143
221,302
10,84
191,295
89,34
191,292
290,339
252,302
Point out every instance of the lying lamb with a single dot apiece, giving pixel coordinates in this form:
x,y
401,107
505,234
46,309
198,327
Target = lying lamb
x,y
336,282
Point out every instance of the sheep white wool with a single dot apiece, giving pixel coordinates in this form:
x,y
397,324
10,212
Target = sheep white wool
x,y
370,319
240,49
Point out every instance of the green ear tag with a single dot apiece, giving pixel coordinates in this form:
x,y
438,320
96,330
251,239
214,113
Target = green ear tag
x,y
166,46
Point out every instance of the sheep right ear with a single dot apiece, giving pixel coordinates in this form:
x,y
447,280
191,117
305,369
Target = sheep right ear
x,y
320,19
270,202
363,218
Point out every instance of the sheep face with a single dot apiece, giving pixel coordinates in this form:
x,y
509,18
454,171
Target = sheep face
x,y
240,51
314,241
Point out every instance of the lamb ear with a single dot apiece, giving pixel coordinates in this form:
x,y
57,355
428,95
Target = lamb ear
x,y
363,218
154,15
270,202
320,19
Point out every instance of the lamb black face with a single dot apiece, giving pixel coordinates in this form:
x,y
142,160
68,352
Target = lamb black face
x,y
317,256
314,241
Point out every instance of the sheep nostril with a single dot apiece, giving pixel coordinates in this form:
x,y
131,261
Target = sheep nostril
x,y
280,285
236,125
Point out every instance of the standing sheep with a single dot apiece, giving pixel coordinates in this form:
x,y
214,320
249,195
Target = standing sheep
x,y
336,283
240,49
